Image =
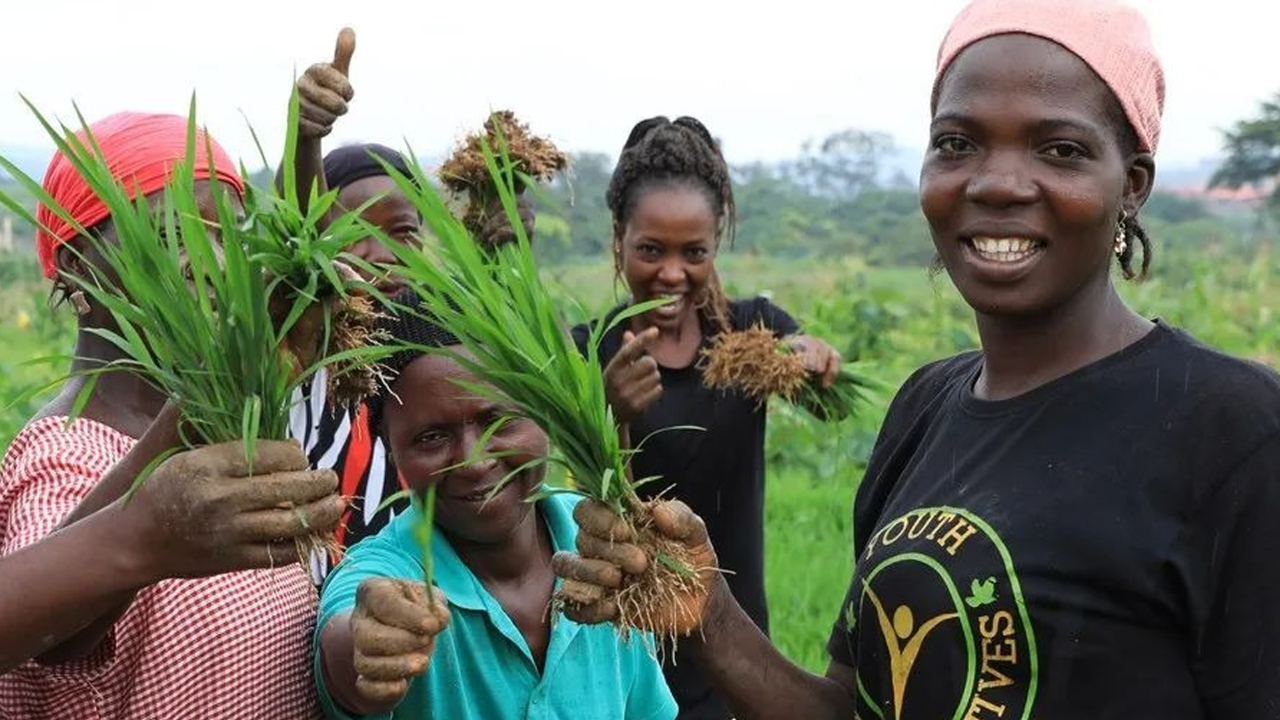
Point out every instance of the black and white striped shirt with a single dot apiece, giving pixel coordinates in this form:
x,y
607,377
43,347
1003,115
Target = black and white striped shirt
x,y
342,440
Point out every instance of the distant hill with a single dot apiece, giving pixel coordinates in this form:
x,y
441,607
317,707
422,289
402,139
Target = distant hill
x,y
30,160
1187,176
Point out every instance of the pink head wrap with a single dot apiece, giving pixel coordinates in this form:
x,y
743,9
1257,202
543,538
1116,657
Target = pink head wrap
x,y
1110,37
141,150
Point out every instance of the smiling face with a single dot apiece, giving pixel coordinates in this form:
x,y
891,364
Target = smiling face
x,y
392,212
1030,163
435,426
667,249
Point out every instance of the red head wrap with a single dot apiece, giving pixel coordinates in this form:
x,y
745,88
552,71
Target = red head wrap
x,y
141,150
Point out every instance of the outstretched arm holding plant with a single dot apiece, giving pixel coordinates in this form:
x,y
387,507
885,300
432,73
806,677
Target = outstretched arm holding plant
x,y
199,514
164,300
755,679
370,655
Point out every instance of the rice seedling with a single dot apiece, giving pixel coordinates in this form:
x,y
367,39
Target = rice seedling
x,y
226,318
516,346
466,172
758,364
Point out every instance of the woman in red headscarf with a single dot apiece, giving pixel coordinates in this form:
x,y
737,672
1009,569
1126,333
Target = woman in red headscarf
x,y
185,601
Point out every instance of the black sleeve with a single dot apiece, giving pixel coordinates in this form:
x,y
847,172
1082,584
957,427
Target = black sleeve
x,y
1229,566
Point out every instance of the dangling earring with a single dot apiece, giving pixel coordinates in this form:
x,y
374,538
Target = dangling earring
x,y
79,303
1122,234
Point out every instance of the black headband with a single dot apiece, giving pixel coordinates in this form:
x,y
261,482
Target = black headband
x,y
350,163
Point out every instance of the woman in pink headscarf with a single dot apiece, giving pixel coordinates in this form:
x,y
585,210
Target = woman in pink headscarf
x,y
187,601
1078,521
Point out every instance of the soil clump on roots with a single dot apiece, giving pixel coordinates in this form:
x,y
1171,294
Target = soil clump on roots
x,y
466,173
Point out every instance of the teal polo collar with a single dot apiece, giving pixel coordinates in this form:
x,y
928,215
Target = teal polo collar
x,y
451,575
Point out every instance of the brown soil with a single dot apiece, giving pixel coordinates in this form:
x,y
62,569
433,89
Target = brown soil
x,y
466,172
354,326
666,599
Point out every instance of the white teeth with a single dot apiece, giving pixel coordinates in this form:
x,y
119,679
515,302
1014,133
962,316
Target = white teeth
x,y
673,305
1004,249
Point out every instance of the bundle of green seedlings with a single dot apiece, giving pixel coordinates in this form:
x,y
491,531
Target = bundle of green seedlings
x,y
466,172
213,314
517,348
758,364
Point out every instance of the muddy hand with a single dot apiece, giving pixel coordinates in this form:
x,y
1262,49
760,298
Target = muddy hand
x,y
305,338
202,514
394,629
819,357
606,553
324,91
497,228
632,381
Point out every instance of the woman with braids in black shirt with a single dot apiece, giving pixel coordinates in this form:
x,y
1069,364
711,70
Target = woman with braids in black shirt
x,y
672,204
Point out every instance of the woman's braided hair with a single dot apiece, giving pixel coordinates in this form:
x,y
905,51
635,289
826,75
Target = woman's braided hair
x,y
681,152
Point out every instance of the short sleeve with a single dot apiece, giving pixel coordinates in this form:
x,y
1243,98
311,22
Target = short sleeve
x,y
649,698
49,471
55,470
372,558
49,488
1227,561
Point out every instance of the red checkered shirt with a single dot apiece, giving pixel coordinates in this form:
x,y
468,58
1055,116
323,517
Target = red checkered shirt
x,y
227,647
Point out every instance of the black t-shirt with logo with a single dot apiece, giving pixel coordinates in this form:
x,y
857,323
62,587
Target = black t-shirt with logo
x,y
718,472
1104,546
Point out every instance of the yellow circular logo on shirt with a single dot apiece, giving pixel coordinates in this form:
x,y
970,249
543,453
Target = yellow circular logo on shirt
x,y
922,612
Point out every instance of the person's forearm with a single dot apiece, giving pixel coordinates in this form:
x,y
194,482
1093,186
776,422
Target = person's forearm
x,y
308,167
161,437
755,680
52,590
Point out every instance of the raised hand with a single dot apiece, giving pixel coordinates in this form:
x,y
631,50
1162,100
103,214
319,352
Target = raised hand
x,y
324,90
632,380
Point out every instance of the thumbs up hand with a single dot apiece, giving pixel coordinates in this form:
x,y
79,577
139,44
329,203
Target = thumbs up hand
x,y
324,91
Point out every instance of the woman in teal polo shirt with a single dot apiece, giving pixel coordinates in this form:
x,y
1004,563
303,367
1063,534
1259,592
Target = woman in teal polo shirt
x,y
385,649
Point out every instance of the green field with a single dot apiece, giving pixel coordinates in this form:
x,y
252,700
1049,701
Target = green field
x,y
893,319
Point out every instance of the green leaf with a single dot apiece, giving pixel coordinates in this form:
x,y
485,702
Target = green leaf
x,y
147,471
398,496
82,398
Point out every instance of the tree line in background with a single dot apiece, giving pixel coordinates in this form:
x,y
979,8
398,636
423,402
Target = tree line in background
x,y
842,196
1253,153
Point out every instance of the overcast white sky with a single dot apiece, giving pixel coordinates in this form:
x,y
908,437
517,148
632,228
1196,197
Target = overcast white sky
x,y
764,78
